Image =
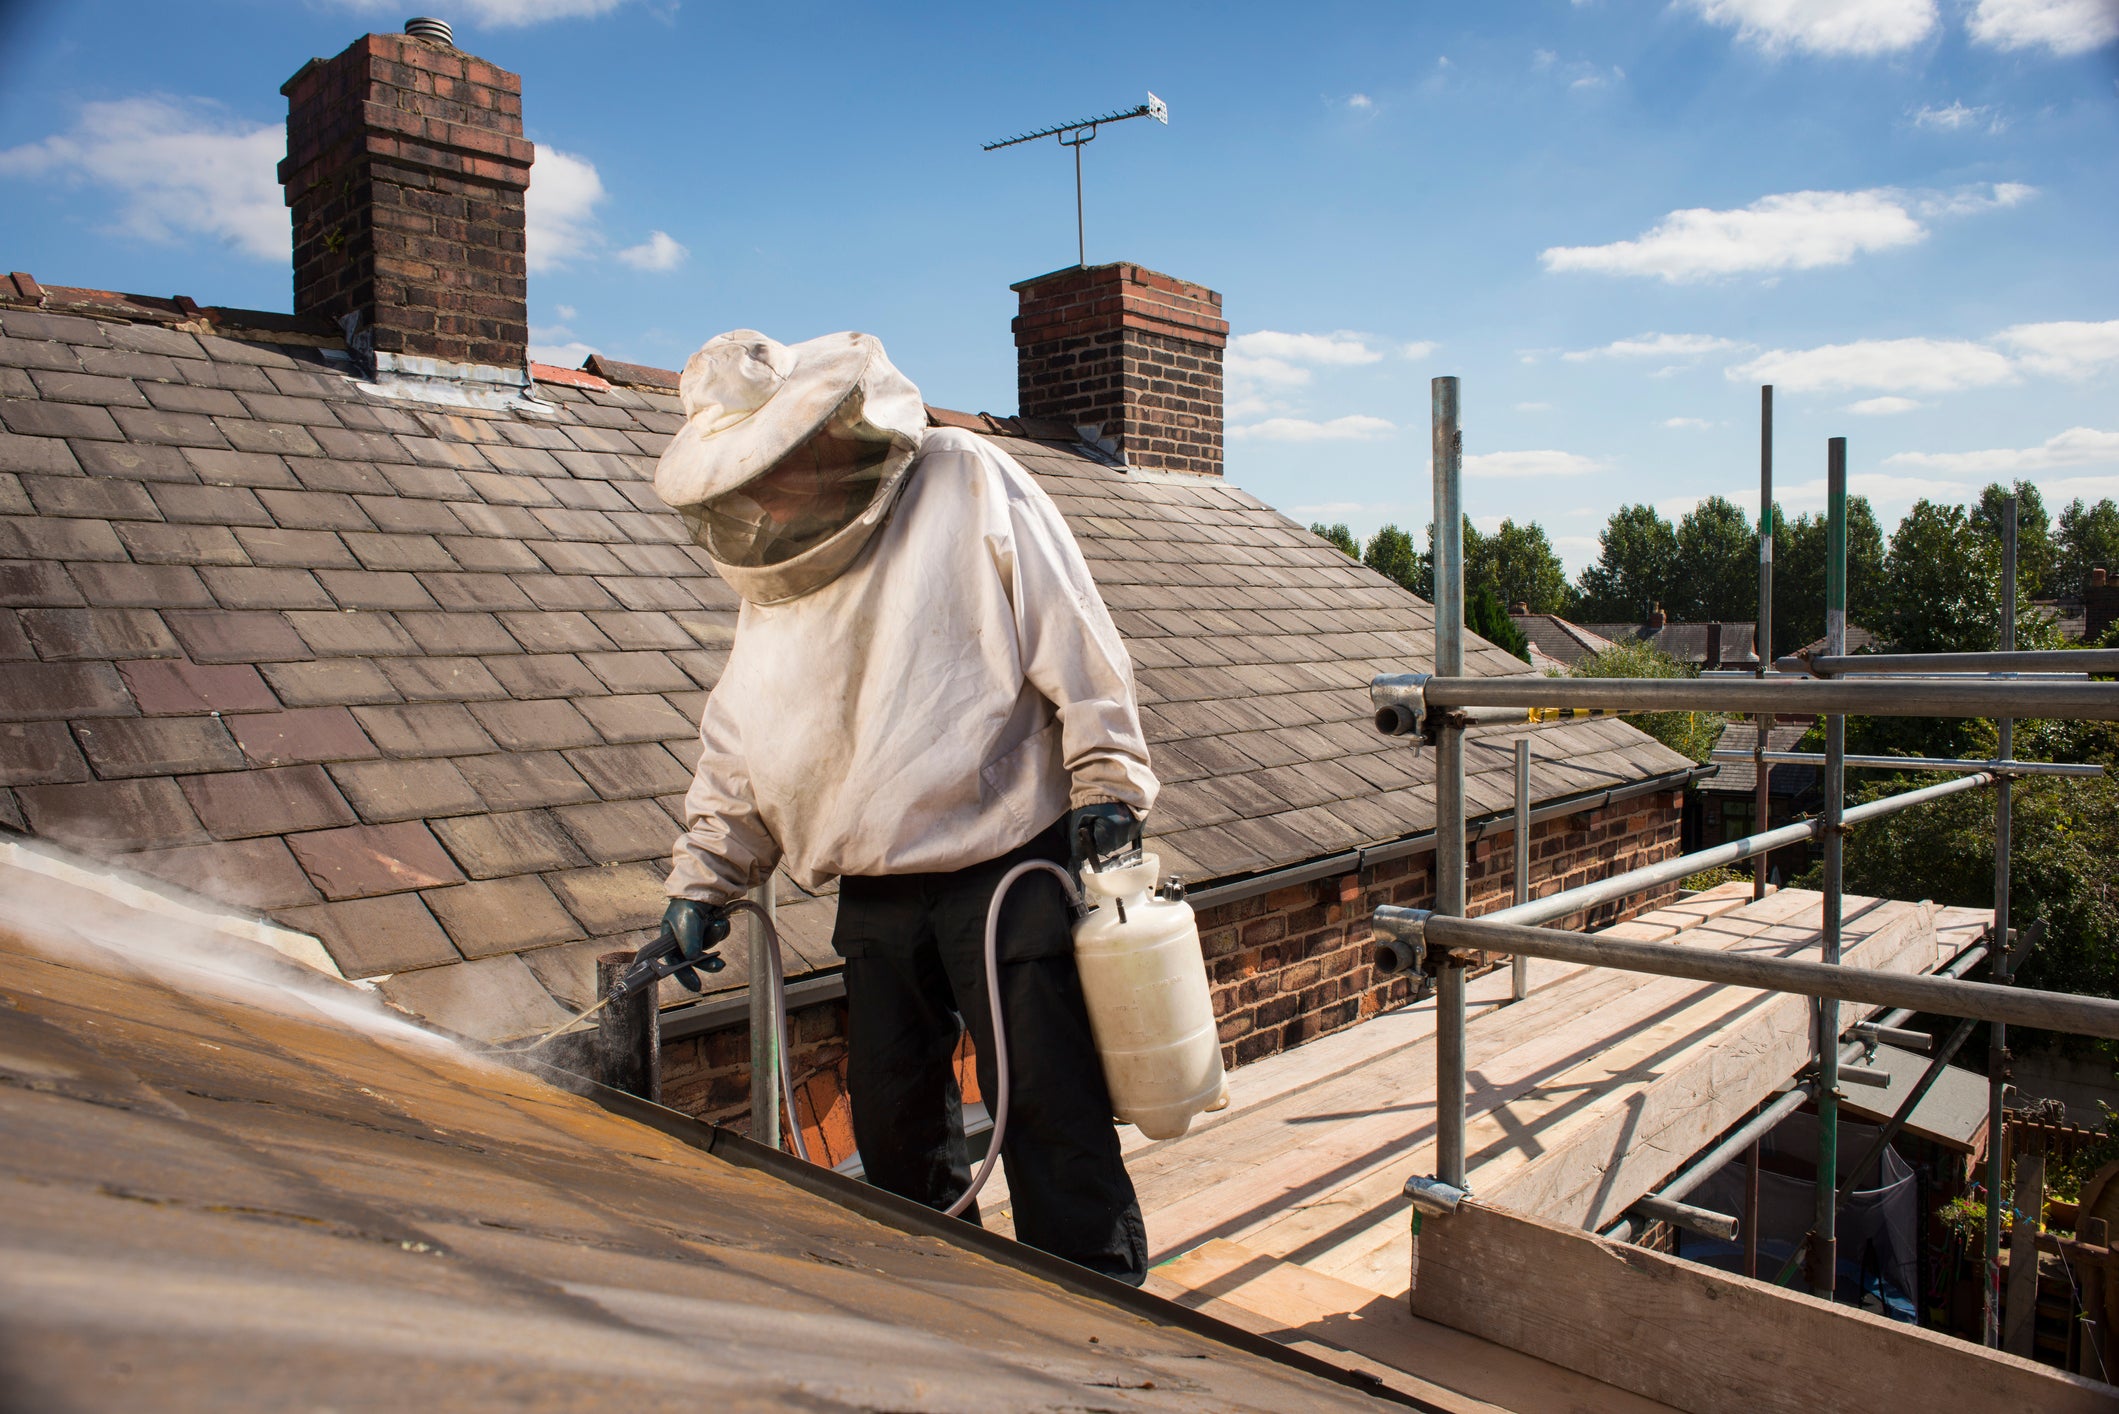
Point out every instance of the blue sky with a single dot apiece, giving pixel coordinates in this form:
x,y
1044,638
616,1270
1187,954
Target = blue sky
x,y
1613,220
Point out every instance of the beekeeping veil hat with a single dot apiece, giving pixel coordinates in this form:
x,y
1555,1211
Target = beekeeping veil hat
x,y
790,457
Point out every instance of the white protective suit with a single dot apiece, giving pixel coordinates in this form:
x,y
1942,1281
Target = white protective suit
x,y
949,694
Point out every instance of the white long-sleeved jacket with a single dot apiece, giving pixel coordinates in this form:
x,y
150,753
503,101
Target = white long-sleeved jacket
x,y
950,694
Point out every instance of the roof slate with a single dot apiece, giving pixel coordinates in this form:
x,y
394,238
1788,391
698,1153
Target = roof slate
x,y
424,681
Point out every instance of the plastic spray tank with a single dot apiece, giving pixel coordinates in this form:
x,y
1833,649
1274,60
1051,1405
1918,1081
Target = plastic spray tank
x,y
1145,982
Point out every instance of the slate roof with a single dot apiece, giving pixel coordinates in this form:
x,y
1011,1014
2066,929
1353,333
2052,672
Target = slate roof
x,y
1686,642
1741,777
1559,639
424,681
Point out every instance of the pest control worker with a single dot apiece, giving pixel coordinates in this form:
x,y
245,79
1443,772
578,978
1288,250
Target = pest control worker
x,y
925,689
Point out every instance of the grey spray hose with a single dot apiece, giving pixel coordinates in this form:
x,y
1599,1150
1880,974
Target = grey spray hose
x,y
777,987
1000,1025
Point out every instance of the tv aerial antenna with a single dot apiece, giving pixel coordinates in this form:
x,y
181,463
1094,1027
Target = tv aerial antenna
x,y
1077,136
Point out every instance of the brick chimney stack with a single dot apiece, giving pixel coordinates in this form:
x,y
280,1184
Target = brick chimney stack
x,y
1131,355
2100,606
1657,620
406,168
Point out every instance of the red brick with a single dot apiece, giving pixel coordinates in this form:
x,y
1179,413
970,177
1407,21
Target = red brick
x,y
144,814
501,916
367,937
252,873
175,687
239,804
39,753
302,734
366,860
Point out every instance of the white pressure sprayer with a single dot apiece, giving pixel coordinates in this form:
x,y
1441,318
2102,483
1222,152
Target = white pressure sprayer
x,y
1144,980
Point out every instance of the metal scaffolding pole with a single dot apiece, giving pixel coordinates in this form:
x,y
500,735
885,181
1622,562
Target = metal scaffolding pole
x,y
1449,781
1824,1250
2009,660
1762,809
1416,696
1923,763
1998,1040
1519,967
1915,991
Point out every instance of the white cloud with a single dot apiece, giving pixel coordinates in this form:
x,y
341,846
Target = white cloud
x,y
1360,103
1882,407
566,311
2057,26
1691,422
181,166
504,14
658,252
1654,346
2068,348
570,355
1854,27
1957,117
1793,231
2078,446
1270,356
1418,349
1888,365
560,209
1495,465
1353,428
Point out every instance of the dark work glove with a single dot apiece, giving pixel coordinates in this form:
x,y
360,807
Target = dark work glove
x,y
1099,836
690,932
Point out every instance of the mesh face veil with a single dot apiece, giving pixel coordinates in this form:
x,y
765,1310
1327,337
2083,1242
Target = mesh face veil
x,y
828,482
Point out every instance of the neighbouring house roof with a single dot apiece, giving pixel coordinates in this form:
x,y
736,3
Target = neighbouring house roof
x,y
1740,778
1686,642
1558,639
424,681
1859,640
1953,1113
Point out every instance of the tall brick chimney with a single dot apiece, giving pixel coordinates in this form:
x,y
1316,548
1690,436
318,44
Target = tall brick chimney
x,y
1131,354
406,168
2100,606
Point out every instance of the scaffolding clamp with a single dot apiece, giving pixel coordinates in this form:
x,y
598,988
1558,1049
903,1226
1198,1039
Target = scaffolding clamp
x,y
1400,700
1433,1197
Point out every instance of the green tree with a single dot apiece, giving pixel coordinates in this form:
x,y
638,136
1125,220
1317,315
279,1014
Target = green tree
x,y
1690,734
1637,556
1484,616
2037,557
1799,576
2089,539
1941,592
1339,535
1390,553
1714,576
1518,566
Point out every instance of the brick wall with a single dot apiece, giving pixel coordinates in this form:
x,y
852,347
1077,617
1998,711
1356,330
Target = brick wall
x,y
1131,352
1285,967
406,168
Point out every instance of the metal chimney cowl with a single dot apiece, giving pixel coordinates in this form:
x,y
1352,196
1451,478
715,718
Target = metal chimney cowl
x,y
424,27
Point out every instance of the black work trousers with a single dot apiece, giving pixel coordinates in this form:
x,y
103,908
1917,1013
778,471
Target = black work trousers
x,y
914,946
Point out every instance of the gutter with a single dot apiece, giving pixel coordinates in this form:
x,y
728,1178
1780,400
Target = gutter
x,y
816,989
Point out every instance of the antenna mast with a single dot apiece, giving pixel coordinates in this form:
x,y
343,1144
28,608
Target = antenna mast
x,y
1077,136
